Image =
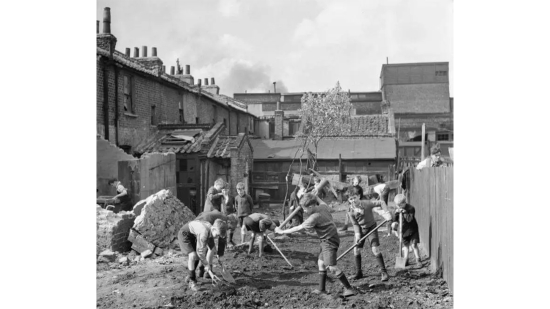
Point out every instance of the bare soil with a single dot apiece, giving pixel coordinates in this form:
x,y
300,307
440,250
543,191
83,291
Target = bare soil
x,y
268,282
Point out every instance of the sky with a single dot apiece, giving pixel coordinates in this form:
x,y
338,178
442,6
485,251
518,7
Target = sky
x,y
302,45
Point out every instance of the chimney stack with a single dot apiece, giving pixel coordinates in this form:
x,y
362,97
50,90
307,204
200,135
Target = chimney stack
x,y
154,52
107,20
206,81
187,69
144,51
136,52
127,52
163,69
97,27
199,82
279,125
172,70
212,81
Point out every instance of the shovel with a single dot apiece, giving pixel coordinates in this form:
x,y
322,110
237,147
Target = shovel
x,y
400,261
225,274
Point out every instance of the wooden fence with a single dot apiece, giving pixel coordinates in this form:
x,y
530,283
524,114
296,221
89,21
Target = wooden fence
x,y
431,193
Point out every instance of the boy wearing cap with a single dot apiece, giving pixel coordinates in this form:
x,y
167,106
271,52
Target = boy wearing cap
x,y
196,240
433,160
320,219
410,236
362,218
258,224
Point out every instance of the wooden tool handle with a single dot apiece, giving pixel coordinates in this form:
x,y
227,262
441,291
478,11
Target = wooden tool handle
x,y
400,234
279,250
373,230
290,216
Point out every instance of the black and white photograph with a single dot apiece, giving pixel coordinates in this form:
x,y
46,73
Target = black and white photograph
x,y
274,154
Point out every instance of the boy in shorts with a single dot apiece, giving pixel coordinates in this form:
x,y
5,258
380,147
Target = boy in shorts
x,y
211,217
362,218
411,237
243,203
258,224
320,219
355,181
196,240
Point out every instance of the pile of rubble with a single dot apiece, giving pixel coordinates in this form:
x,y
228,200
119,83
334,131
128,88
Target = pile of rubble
x,y
113,230
159,219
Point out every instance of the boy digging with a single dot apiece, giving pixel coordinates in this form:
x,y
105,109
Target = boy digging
x,y
259,224
321,220
409,229
362,218
195,238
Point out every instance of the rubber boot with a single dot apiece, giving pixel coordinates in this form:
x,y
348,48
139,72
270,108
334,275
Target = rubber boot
x,y
380,260
322,283
348,291
358,271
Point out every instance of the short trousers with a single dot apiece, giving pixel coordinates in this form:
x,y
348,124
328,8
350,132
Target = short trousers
x,y
328,253
411,239
251,225
373,238
186,240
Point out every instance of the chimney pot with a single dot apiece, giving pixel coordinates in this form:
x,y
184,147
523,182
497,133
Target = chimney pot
x,y
144,51
136,52
199,82
187,69
212,81
154,52
163,69
206,81
107,20
127,52
172,70
97,27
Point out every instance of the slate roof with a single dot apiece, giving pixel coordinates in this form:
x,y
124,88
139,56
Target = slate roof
x,y
221,147
369,124
366,148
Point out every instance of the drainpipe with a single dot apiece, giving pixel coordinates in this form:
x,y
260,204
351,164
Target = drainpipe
x,y
105,100
116,105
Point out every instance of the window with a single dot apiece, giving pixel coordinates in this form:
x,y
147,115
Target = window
x,y
223,122
128,101
153,115
440,73
181,112
442,136
293,128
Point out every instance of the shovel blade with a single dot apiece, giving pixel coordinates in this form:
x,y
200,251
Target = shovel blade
x,y
400,262
227,276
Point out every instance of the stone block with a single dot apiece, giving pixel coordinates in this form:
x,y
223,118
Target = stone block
x,y
113,230
108,254
147,253
123,260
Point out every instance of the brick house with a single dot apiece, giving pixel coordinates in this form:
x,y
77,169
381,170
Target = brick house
x,y
419,93
135,95
203,154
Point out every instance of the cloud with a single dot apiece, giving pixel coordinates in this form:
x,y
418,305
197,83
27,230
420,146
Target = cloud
x,y
229,8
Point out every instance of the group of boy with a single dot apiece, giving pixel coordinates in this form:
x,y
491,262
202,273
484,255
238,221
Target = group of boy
x,y
197,236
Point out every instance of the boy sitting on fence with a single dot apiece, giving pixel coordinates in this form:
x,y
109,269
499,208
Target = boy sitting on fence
x,y
410,227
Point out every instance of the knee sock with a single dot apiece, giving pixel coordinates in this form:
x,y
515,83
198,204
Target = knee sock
x,y
380,260
358,263
344,280
192,276
322,280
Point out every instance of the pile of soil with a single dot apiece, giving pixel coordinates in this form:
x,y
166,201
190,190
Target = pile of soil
x,y
268,282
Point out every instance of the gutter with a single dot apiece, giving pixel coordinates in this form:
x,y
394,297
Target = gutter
x,y
105,100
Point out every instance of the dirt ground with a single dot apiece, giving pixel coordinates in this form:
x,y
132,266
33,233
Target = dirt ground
x,y
270,283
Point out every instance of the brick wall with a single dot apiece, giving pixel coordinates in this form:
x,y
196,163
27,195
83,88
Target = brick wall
x,y
278,134
418,98
113,230
367,108
108,156
233,123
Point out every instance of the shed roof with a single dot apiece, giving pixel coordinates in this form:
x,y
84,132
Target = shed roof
x,y
180,141
368,148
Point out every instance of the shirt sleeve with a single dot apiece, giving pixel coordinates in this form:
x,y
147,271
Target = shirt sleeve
x,y
311,221
202,241
250,202
421,165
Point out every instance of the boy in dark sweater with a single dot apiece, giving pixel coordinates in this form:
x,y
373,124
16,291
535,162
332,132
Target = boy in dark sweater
x,y
362,218
216,196
243,203
411,237
320,219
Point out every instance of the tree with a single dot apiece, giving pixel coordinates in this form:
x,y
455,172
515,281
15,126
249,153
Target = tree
x,y
323,115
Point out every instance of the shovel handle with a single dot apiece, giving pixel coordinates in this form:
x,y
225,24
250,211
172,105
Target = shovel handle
x,y
362,238
279,250
400,234
298,208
